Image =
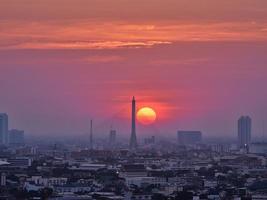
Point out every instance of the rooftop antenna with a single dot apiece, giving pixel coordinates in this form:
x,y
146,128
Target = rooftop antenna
x,y
263,130
91,134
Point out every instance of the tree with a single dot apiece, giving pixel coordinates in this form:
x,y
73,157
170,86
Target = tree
x,y
159,197
46,192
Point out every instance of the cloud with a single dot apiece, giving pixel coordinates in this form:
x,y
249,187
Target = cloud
x,y
85,45
118,34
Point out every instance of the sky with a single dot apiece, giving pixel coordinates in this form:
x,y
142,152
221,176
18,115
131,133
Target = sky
x,y
199,64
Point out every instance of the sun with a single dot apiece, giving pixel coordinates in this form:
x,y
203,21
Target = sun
x,y
146,115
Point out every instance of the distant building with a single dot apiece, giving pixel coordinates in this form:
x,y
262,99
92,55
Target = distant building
x,y
244,131
112,138
189,137
16,137
133,170
221,148
22,162
26,151
51,181
3,129
259,147
150,140
141,181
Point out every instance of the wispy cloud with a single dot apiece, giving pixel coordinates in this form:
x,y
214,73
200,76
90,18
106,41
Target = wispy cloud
x,y
116,34
85,45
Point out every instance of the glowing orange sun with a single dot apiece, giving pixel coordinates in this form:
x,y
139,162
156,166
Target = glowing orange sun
x,y
146,115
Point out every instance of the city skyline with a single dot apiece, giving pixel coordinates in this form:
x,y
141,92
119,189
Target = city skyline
x,y
133,99
245,135
149,129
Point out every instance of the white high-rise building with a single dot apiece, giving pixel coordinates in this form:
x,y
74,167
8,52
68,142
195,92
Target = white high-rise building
x,y
3,129
244,131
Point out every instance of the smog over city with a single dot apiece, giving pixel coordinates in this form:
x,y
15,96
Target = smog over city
x,y
123,99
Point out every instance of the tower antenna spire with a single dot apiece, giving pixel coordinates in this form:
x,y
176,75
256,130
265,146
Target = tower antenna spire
x,y
133,140
91,134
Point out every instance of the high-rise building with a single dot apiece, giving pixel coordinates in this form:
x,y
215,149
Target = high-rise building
x,y
244,131
112,138
3,129
189,137
133,140
16,137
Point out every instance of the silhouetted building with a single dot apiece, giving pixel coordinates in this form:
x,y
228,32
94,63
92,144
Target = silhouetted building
x,y
150,140
3,129
189,137
258,148
134,170
133,140
112,138
26,151
244,131
22,162
16,137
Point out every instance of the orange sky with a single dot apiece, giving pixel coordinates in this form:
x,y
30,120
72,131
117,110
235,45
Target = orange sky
x,y
195,62
83,24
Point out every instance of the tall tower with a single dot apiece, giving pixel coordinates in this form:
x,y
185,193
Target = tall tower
x,y
91,135
244,131
3,129
133,140
112,138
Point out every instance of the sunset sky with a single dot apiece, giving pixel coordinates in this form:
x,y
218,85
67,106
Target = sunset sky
x,y
199,63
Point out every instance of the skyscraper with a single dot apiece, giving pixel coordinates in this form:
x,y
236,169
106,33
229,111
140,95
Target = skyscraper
x,y
244,131
133,140
3,129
